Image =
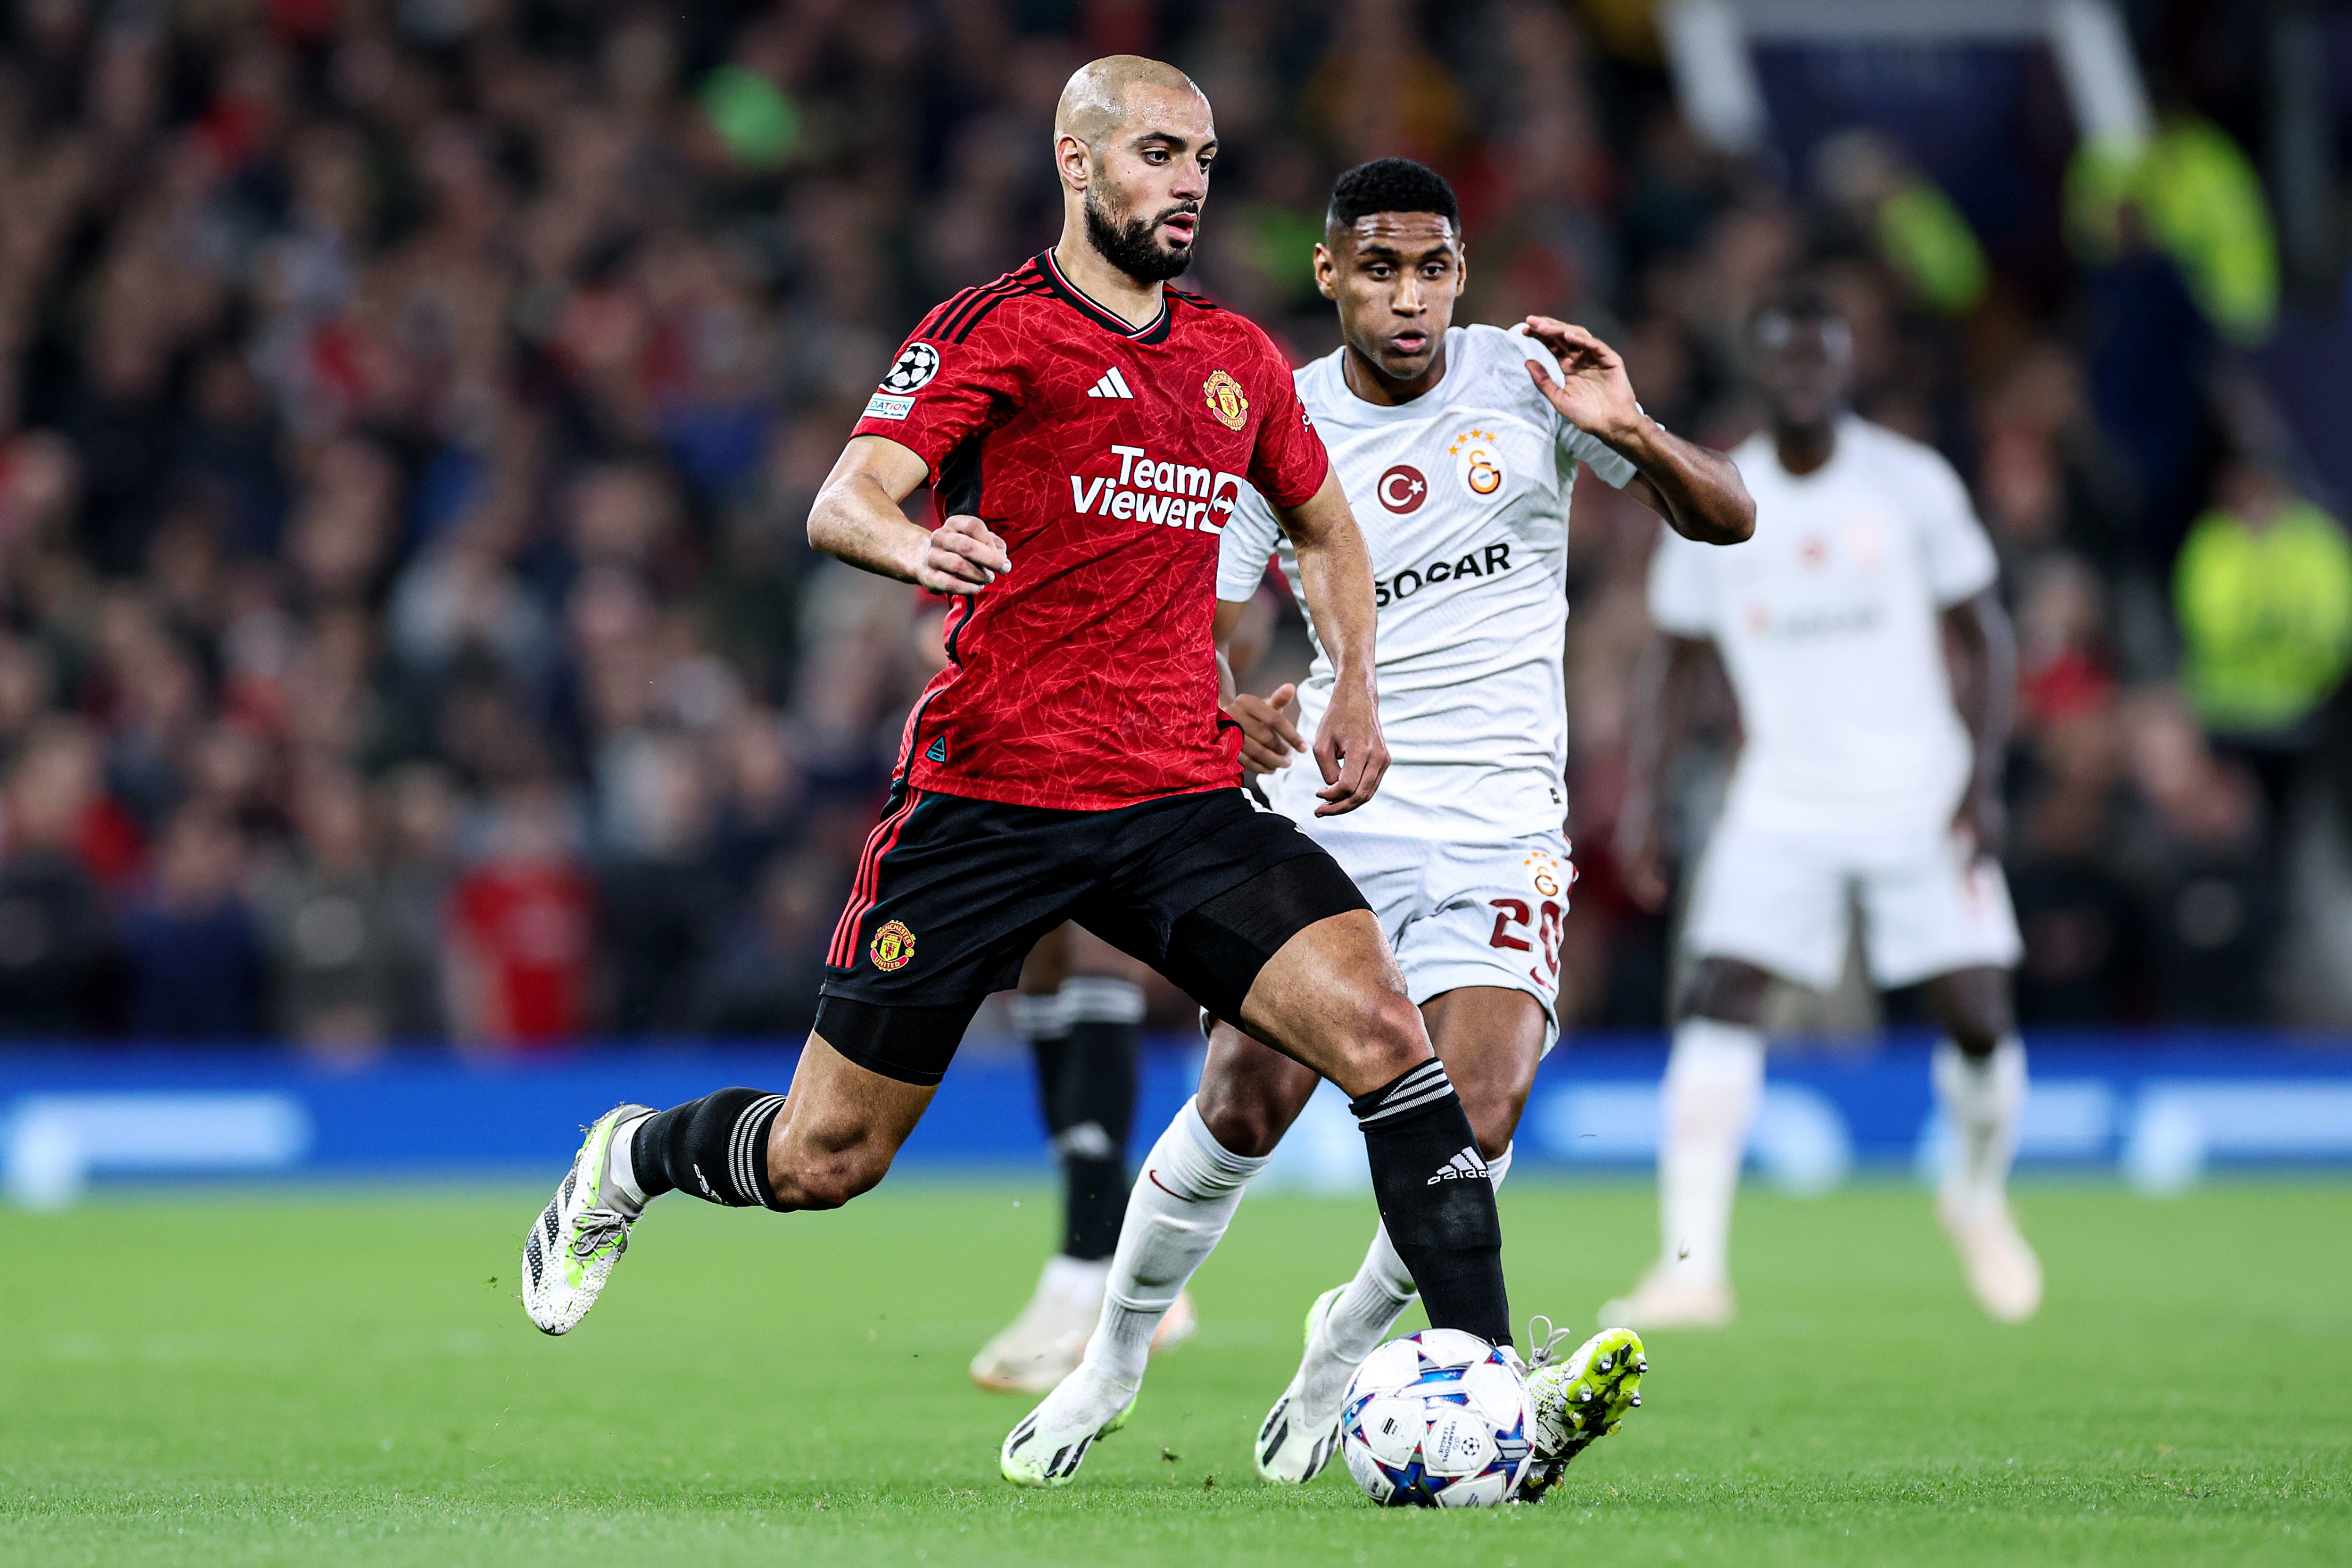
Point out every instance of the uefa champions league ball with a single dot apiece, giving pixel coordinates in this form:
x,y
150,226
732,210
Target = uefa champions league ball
x,y
1438,1420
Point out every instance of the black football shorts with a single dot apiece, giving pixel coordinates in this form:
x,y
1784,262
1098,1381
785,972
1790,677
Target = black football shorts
x,y
952,893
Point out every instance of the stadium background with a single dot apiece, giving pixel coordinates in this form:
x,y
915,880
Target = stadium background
x,y
423,724
409,411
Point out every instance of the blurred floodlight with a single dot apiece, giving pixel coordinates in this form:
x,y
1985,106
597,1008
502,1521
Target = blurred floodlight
x,y
55,1143
2179,1126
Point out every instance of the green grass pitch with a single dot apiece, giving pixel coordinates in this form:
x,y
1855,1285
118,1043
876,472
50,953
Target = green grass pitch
x,y
346,1378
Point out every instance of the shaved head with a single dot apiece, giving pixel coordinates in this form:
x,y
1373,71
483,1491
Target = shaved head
x,y
1095,101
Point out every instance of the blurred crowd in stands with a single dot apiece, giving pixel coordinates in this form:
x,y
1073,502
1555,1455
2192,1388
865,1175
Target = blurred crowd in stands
x,y
409,411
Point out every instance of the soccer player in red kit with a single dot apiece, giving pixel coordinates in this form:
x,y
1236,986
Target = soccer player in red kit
x,y
1085,430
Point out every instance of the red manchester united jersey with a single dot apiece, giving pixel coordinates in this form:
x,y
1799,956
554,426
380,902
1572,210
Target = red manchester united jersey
x,y
1108,457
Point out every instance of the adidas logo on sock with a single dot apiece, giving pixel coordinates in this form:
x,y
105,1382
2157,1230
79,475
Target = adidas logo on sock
x,y
1112,384
1461,1167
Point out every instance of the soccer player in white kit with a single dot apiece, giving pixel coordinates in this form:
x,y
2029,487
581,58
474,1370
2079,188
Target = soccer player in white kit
x,y
1458,446
1869,771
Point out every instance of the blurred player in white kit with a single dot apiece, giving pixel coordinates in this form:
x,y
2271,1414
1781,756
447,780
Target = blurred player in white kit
x,y
1875,676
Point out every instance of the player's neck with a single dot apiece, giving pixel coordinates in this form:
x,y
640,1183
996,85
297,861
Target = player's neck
x,y
1086,270
1365,379
1803,449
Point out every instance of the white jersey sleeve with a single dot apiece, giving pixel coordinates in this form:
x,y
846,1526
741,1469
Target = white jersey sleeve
x,y
1250,540
1959,559
1575,444
1681,587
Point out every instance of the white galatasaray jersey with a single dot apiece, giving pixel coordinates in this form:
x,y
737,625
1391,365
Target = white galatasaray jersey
x,y
1463,498
1828,625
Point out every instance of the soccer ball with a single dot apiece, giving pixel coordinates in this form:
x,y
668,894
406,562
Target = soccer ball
x,y
1438,1420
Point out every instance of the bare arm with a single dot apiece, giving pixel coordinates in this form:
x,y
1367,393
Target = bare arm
x,y
1665,689
1270,739
1696,488
1335,571
857,518
1984,686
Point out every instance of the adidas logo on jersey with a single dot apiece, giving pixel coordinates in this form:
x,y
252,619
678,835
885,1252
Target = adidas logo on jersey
x,y
1461,1167
1112,384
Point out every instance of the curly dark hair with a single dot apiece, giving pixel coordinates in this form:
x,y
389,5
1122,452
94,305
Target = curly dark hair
x,y
1392,185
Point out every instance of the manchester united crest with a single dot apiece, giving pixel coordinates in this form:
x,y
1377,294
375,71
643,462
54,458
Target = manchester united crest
x,y
892,947
1226,400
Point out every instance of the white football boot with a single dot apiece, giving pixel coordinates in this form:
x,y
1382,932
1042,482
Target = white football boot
x,y
2003,1273
1578,1400
1051,1442
1043,1345
1301,1433
580,1234
1667,1300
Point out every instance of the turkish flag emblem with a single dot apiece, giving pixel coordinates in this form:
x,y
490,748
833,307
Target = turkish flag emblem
x,y
1402,489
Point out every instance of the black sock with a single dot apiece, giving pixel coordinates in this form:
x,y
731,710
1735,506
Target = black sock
x,y
715,1148
1437,1200
1092,1110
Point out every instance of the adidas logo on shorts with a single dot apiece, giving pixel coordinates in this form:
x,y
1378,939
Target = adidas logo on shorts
x,y
1461,1167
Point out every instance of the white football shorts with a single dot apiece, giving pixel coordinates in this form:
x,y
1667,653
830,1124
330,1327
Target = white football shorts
x,y
1779,900
1465,915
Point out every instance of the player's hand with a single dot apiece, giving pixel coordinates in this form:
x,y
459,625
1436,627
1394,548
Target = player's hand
x,y
963,556
1984,820
1349,749
1641,851
1594,394
1269,738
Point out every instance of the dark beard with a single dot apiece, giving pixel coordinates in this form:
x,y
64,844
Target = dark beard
x,y
1129,246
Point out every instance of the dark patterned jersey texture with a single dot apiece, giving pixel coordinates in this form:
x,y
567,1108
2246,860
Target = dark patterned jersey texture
x,y
1107,458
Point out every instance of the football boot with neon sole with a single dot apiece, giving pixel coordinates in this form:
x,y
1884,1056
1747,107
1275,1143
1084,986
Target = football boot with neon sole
x,y
1579,1400
1051,1442
1301,1433
581,1233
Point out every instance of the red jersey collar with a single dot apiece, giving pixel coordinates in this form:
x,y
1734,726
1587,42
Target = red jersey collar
x,y
1151,331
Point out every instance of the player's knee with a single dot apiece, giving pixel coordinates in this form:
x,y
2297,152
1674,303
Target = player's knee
x,y
1494,1117
1727,992
1243,1123
1387,1039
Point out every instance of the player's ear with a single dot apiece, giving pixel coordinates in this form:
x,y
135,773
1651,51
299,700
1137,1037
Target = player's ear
x,y
1326,271
1076,160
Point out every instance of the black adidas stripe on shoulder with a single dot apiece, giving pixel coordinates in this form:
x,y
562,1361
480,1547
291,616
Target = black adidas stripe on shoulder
x,y
1029,291
941,312
978,302
1197,301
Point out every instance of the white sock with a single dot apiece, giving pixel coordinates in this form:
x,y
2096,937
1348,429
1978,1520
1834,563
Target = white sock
x,y
620,1166
1982,1097
1179,1208
1714,1080
1371,1303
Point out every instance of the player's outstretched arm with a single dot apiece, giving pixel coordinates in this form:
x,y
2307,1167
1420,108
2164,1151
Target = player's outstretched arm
x,y
1665,690
857,518
1336,571
1984,687
1696,488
